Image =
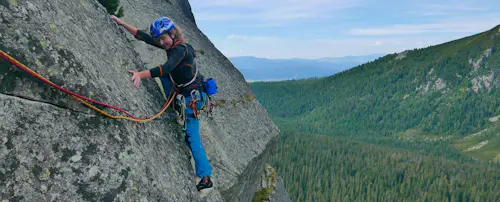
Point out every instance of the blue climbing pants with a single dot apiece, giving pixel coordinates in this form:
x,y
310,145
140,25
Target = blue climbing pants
x,y
193,139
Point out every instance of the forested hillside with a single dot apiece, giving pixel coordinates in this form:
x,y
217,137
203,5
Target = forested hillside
x,y
421,125
323,168
448,89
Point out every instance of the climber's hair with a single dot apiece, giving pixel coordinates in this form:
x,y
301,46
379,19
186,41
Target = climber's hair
x,y
177,32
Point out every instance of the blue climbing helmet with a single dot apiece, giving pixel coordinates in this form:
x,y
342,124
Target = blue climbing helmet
x,y
160,26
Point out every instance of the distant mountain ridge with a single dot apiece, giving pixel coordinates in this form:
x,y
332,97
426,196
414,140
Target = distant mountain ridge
x,y
262,69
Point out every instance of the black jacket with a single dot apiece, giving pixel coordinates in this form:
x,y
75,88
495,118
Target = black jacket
x,y
180,62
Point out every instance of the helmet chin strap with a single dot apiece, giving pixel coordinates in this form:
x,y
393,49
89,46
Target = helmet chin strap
x,y
173,39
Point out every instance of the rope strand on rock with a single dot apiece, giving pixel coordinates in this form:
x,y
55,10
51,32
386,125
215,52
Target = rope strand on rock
x,y
85,100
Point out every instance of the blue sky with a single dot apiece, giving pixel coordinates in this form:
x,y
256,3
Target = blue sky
x,y
335,28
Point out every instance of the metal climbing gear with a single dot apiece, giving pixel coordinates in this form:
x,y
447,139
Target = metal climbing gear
x,y
195,98
209,105
180,110
180,107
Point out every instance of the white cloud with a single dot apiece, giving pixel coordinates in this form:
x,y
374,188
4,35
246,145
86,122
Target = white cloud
x,y
378,43
289,48
456,7
265,3
237,37
337,27
263,10
445,27
262,25
224,2
208,16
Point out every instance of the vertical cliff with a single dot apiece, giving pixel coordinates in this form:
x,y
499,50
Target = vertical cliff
x,y
54,149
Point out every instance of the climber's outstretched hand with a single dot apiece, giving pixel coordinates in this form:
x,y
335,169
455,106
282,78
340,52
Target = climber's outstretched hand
x,y
136,77
117,20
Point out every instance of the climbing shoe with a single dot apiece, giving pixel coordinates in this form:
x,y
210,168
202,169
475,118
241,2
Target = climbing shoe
x,y
205,186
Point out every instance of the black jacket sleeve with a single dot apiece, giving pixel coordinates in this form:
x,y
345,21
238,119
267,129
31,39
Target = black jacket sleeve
x,y
174,58
143,36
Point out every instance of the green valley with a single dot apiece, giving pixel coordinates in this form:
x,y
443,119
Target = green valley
x,y
438,105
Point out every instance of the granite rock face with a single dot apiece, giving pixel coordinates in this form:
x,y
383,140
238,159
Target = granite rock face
x,y
52,148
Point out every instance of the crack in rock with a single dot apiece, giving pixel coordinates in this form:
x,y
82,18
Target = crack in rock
x,y
46,103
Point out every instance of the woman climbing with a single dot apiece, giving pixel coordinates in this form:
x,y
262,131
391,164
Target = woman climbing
x,y
181,72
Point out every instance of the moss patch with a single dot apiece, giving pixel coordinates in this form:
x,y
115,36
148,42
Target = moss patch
x,y
262,195
265,193
13,2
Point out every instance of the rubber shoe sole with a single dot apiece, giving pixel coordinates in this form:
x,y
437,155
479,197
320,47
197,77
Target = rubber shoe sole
x,y
205,192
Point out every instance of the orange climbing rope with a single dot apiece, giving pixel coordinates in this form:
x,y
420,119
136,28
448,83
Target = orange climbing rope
x,y
85,100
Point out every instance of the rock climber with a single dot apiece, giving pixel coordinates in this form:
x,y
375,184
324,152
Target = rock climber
x,y
179,73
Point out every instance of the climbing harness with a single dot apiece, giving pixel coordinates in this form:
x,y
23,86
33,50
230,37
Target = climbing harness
x,y
195,97
209,86
195,74
85,100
